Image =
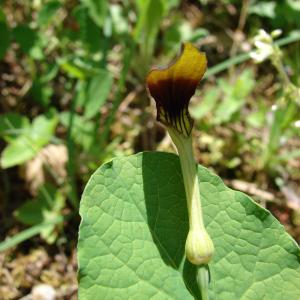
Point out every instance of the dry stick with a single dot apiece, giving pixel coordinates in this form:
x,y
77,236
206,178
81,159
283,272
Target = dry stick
x,y
240,28
237,33
129,98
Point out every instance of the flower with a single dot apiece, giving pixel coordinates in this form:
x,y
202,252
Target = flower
x,y
276,33
297,124
264,45
264,48
173,86
262,52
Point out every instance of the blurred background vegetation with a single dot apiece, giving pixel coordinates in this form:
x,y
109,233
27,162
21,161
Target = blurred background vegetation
x,y
73,96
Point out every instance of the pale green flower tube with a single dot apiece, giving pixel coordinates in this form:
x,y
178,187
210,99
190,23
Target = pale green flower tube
x,y
199,246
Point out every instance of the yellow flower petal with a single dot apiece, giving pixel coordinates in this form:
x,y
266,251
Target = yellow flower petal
x,y
173,86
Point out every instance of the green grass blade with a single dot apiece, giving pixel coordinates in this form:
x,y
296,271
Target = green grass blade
x,y
293,37
27,234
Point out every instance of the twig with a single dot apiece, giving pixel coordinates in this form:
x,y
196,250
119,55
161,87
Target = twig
x,y
129,98
238,32
251,188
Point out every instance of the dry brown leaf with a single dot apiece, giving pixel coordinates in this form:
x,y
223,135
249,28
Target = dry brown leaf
x,y
49,164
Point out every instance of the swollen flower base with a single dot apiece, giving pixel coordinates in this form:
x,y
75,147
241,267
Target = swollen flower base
x,y
199,247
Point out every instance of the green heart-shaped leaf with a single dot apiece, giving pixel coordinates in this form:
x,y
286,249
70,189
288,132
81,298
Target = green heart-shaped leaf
x,y
134,226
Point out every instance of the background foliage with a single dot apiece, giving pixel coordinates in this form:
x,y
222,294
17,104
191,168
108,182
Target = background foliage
x,y
73,96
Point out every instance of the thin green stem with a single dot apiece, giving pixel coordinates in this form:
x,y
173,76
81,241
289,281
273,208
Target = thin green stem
x,y
224,65
283,118
28,233
73,196
277,62
203,281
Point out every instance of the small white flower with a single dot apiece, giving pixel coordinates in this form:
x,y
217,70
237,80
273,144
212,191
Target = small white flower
x,y
264,45
263,36
262,52
260,55
274,107
297,124
276,33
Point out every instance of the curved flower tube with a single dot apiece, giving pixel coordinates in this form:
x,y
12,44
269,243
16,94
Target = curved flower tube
x,y
173,86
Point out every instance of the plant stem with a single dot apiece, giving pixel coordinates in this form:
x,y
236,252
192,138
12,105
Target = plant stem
x,y
282,119
73,195
203,281
277,62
